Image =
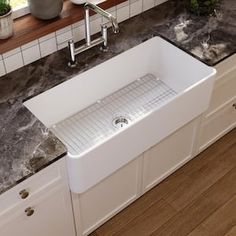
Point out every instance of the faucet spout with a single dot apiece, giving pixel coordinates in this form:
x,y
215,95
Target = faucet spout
x,y
105,14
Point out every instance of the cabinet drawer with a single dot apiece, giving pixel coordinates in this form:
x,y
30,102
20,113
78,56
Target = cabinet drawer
x,y
225,90
218,124
49,214
32,186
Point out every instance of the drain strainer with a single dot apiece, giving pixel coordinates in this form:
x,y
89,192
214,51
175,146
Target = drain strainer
x,y
120,121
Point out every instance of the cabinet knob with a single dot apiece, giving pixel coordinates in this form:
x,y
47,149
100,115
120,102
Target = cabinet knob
x,y
29,211
234,105
24,194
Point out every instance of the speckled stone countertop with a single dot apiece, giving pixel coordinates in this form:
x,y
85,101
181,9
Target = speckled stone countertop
x,y
26,145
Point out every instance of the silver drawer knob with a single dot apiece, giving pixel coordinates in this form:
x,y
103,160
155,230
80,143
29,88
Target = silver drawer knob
x,y
24,194
29,211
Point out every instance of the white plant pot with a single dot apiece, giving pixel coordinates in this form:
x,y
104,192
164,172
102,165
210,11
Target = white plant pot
x,y
6,25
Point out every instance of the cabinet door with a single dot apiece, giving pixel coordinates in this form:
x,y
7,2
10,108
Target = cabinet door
x,y
217,125
48,215
220,118
104,200
168,155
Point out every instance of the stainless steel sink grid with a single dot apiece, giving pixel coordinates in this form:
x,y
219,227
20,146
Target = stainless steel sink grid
x,y
96,123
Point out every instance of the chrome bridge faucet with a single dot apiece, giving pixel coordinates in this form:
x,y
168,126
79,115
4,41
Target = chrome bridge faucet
x,y
88,43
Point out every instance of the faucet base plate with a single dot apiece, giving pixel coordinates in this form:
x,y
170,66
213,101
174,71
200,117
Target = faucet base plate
x,y
104,48
72,64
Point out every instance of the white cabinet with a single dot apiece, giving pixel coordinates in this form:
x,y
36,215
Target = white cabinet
x,y
220,117
168,155
95,206
44,208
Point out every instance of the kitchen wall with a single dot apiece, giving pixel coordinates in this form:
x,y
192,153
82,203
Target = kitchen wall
x,y
55,41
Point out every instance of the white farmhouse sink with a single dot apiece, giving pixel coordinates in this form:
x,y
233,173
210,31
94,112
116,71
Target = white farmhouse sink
x,y
172,89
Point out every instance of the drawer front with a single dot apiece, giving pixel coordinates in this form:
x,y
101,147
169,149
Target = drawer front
x,y
218,124
48,214
32,186
224,91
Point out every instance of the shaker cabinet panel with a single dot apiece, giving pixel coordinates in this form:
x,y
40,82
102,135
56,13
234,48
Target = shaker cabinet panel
x,y
167,156
217,125
220,117
47,216
48,212
107,198
224,91
33,186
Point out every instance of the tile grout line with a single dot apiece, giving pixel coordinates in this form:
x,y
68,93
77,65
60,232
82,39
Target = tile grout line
x,y
4,65
21,52
40,53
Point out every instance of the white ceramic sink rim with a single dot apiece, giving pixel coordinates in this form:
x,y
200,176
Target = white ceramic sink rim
x,y
191,79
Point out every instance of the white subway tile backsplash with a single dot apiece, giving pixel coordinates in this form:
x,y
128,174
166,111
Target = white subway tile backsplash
x,y
29,45
123,4
64,30
13,62
48,47
95,25
148,4
78,24
2,68
10,53
78,33
136,8
158,2
31,54
123,13
46,37
64,37
62,45
94,17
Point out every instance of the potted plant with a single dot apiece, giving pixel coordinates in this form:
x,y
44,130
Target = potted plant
x,y
45,9
6,21
202,7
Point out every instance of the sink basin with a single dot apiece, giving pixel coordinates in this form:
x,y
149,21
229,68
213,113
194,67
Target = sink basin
x,y
113,112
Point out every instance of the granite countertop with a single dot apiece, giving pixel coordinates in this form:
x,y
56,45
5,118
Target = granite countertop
x,y
27,146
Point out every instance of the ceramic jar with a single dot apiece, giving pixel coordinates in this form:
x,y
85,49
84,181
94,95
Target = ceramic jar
x,y
6,25
45,9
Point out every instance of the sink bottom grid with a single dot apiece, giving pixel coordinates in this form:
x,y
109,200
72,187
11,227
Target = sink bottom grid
x,y
94,124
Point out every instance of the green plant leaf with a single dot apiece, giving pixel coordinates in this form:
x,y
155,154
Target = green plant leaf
x,y
4,7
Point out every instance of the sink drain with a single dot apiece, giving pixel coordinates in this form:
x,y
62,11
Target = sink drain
x,y
120,121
